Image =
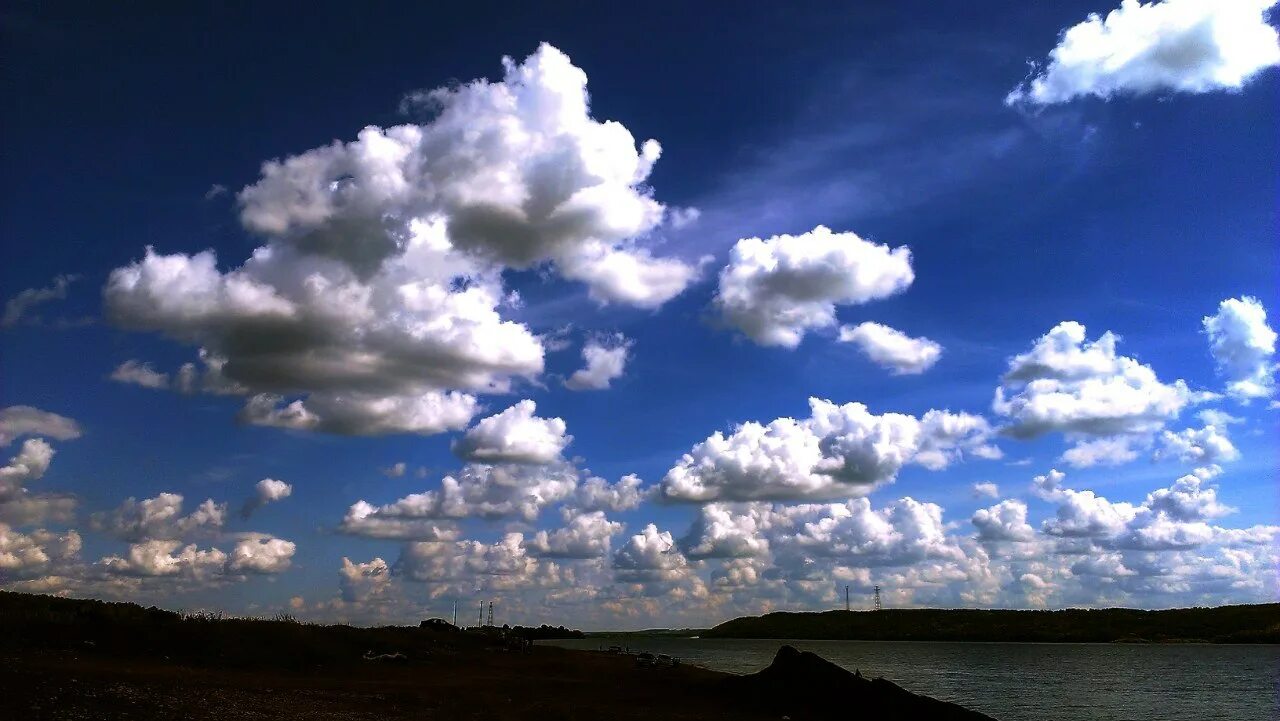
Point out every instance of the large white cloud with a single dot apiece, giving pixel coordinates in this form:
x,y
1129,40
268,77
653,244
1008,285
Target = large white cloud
x,y
1202,446
891,348
776,290
1244,347
23,555
515,435
1071,385
838,451
1005,521
374,306
606,361
1192,46
268,490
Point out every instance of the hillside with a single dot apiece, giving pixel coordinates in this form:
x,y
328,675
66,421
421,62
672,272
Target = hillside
x,y
1225,624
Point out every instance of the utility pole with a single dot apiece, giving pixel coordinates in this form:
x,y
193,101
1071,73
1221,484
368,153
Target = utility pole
x,y
877,598
455,613
846,598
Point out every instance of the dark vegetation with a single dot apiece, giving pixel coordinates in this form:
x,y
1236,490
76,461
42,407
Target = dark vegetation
x,y
75,659
1258,623
832,692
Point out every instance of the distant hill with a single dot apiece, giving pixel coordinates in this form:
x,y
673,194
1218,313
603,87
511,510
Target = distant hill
x,y
1258,623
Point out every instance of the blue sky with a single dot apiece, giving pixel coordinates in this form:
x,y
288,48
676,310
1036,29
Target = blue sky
x,y
414,282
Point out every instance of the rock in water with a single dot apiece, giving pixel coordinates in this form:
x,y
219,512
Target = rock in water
x,y
804,685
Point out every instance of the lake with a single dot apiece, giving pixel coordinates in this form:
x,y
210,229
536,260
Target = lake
x,y
1030,681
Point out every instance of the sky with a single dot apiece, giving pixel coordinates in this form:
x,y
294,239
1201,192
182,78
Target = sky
x,y
646,319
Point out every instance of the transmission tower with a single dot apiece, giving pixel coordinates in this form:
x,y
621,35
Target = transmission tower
x,y
877,601
491,613
480,615
846,598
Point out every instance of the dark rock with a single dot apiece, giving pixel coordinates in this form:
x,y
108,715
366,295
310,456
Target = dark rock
x,y
803,685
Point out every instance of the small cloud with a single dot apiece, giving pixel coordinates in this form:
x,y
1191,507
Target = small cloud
x,y
214,191
18,306
395,470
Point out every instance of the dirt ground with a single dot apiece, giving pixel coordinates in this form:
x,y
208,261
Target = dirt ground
x,y
546,683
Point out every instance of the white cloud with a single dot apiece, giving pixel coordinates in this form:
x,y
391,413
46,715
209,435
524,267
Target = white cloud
x,y
260,553
34,553
1191,46
1110,451
268,490
1204,446
18,421
606,361
140,374
1005,521
839,451
892,349
1070,385
1243,346
360,414
395,470
18,505
1083,514
1188,499
649,556
361,582
374,305
515,435
477,491
776,290
160,518
597,494
18,306
729,531
986,489
167,558
585,535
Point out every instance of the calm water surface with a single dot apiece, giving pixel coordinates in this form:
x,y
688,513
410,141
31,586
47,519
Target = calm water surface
x,y
1031,681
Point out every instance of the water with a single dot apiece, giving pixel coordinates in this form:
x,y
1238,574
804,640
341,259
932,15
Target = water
x,y
1030,681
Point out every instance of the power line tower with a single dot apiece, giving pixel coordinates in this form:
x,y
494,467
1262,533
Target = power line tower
x,y
480,615
491,613
877,601
846,598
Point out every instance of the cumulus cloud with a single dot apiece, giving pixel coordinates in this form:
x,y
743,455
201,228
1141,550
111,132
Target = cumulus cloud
x,y
18,505
167,558
374,306
19,421
360,582
584,535
395,470
18,306
597,494
477,491
1005,521
260,553
1190,46
464,567
606,361
515,435
1068,384
1209,445
25,555
160,518
268,490
838,451
776,290
892,349
649,556
1243,346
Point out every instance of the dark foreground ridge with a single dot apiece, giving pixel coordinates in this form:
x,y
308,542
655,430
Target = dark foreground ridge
x,y
800,684
74,659
1258,623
